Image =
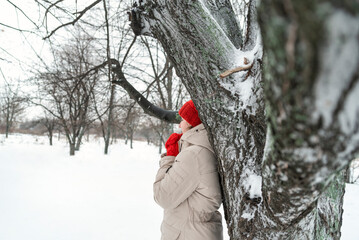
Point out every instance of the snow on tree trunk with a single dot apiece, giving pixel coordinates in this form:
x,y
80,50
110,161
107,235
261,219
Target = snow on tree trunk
x,y
280,140
311,80
329,209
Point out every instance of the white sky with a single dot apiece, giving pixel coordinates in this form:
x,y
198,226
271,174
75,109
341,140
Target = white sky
x,y
19,50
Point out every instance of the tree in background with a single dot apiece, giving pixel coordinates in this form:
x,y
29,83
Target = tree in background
x,y
12,105
164,88
51,124
65,89
131,123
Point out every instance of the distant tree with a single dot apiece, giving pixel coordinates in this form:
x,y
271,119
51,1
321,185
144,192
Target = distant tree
x,y
167,91
65,88
51,124
131,123
12,105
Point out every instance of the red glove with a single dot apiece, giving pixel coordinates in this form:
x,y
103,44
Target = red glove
x,y
172,144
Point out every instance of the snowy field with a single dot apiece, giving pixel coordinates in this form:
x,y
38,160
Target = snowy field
x,y
47,195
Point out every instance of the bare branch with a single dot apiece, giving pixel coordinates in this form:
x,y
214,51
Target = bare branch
x,y
128,51
75,20
17,29
234,70
23,13
148,107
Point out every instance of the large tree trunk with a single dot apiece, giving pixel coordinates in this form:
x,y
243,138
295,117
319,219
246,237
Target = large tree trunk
x,y
278,158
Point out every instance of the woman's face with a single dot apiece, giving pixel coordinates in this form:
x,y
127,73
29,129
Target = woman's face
x,y
184,125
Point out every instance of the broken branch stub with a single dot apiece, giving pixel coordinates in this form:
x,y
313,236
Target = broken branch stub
x,y
237,69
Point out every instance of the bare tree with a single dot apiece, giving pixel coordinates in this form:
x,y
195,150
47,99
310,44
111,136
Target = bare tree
x,y
12,105
164,88
50,123
66,89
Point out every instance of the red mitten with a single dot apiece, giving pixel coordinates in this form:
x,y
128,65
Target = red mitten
x,y
172,144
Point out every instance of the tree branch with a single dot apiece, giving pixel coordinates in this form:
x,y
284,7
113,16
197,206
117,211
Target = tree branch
x,y
15,6
148,107
75,20
223,13
237,69
17,29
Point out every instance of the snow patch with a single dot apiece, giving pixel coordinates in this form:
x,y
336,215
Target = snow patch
x,y
268,145
247,215
252,183
47,194
239,83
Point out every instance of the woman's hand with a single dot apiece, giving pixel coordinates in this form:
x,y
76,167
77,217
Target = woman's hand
x,y
172,144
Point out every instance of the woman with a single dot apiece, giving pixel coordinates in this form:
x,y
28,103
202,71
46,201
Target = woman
x,y
187,184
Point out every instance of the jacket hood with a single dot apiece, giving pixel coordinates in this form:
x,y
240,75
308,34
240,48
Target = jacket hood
x,y
197,136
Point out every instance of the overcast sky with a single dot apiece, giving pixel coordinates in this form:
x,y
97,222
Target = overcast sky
x,y
17,49
20,50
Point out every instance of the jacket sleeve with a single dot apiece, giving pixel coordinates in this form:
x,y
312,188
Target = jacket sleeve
x,y
175,183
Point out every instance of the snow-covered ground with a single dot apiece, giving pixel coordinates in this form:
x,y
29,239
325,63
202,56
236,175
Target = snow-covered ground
x,y
47,195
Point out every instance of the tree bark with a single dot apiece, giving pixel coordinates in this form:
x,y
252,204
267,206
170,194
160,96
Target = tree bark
x,y
79,140
109,120
149,108
280,140
50,138
160,143
112,94
7,129
200,52
72,149
310,133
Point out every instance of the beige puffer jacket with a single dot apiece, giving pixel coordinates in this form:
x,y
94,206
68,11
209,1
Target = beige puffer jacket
x,y
188,189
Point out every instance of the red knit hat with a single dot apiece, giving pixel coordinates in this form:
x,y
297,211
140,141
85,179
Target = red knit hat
x,y
189,113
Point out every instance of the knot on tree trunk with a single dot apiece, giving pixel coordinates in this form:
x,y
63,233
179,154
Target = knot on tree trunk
x,y
253,201
135,18
139,8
